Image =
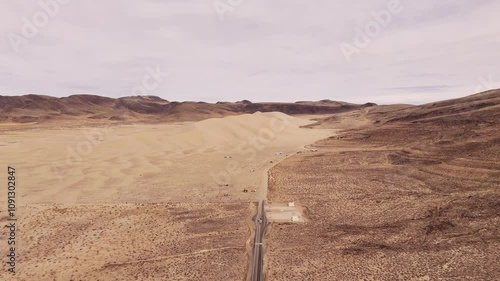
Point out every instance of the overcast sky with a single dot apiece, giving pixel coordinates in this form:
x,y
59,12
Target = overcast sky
x,y
280,50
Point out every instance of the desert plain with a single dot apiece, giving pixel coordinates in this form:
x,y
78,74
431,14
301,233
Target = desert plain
x,y
144,201
395,192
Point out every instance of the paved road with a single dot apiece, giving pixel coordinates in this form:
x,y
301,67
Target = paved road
x,y
260,230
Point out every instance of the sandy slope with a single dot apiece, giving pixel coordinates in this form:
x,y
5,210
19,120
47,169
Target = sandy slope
x,y
153,163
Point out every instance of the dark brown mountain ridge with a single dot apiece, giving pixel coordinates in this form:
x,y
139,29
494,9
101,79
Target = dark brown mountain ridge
x,y
41,108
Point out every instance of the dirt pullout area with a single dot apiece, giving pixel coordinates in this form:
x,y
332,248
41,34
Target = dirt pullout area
x,y
393,201
131,242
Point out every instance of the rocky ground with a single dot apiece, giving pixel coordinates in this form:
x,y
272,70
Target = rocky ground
x,y
410,199
132,242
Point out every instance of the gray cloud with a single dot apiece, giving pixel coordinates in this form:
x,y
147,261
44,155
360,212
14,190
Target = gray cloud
x,y
262,50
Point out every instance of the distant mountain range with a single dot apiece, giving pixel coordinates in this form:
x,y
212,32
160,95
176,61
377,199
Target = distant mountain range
x,y
41,108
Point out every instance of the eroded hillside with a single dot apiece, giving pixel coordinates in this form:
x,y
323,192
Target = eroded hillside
x,y
401,193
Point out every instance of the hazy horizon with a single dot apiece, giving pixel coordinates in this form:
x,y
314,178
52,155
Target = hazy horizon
x,y
379,51
233,101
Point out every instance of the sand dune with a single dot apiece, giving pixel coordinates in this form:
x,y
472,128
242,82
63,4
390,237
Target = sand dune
x,y
154,163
